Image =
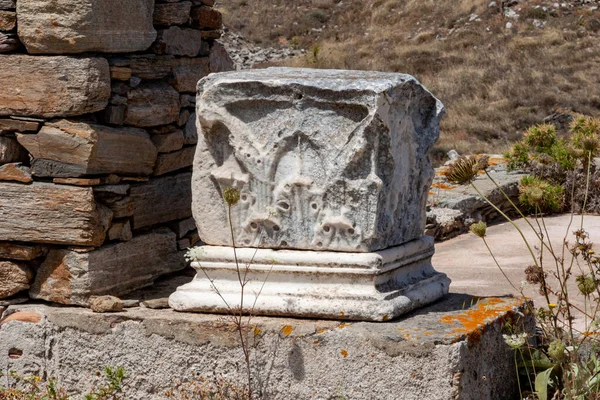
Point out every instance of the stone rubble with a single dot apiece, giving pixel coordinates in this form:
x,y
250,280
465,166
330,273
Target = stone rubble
x,y
96,146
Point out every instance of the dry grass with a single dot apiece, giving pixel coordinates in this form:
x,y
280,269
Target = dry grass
x,y
494,81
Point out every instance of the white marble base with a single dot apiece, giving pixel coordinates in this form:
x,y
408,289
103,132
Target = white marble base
x,y
375,286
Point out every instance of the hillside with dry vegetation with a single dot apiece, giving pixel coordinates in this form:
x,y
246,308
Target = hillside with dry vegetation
x,y
498,66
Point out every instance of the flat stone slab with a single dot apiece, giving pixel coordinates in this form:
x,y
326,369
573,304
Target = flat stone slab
x,y
53,86
85,26
374,286
451,349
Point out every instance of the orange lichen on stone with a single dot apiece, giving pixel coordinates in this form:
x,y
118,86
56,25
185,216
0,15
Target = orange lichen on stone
x,y
344,353
442,186
287,330
343,325
471,323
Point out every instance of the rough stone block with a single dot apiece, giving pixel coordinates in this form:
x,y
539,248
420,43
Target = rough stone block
x,y
178,42
146,66
8,42
70,277
15,172
167,14
8,20
120,230
15,125
324,159
181,228
114,115
184,116
206,18
429,355
169,162
14,278
53,86
46,27
190,133
49,213
11,151
120,73
8,4
122,208
72,149
162,200
220,61
152,104
168,142
14,251
187,72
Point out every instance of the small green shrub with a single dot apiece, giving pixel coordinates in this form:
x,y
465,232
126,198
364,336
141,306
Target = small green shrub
x,y
540,196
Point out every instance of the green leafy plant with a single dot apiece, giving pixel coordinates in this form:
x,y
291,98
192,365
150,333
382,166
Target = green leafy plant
x,y
563,363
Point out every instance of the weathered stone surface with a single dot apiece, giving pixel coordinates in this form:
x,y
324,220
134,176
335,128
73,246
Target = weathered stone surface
x,y
8,20
178,42
187,72
11,151
425,357
120,73
210,35
122,208
105,180
152,104
15,172
206,18
146,66
120,230
14,278
8,42
53,86
168,142
220,61
102,304
114,115
324,159
181,228
15,125
190,133
169,162
46,27
73,149
69,277
167,14
49,213
187,100
162,200
7,5
184,116
14,251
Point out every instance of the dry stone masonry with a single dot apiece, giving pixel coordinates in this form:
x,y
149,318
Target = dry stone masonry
x,y
333,171
97,137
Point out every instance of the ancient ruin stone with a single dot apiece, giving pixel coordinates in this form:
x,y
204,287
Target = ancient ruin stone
x,y
187,72
169,162
72,149
220,61
15,125
14,251
14,278
167,14
146,66
11,151
162,200
53,86
178,42
15,172
49,213
102,304
46,27
152,104
190,133
7,4
168,142
8,20
71,277
207,18
8,42
324,159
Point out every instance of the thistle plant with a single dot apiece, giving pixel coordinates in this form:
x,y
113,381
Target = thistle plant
x,y
563,365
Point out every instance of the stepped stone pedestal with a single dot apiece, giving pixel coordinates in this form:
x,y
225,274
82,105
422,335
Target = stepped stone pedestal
x,y
333,172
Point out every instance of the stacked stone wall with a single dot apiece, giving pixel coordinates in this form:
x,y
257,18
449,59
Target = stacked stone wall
x,y
97,137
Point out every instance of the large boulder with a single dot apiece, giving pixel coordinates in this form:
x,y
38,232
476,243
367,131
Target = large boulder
x,y
66,27
324,159
53,86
